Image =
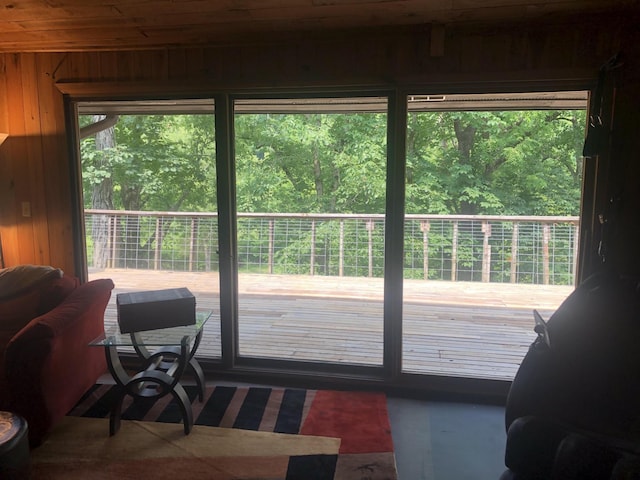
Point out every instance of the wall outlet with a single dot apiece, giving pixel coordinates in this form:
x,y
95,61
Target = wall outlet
x,y
26,209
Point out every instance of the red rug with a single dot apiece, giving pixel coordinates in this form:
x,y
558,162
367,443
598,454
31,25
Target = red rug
x,y
359,419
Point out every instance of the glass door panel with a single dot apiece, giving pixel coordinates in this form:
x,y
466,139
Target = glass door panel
x,y
149,192
310,188
493,185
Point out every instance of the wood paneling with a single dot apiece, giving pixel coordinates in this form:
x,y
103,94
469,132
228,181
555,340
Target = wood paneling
x,y
57,186
6,197
34,194
17,233
73,25
625,229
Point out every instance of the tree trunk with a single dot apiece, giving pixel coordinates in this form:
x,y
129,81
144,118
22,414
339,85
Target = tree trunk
x,y
102,199
466,137
317,174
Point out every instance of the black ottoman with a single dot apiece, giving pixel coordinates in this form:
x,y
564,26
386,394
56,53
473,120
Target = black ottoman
x,y
14,447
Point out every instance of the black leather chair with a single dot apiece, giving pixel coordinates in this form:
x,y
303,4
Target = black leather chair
x,y
573,410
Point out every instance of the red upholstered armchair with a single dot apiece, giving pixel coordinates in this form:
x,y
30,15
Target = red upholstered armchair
x,y
47,320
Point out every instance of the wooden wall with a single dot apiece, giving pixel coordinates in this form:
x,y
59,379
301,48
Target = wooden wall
x,y
34,161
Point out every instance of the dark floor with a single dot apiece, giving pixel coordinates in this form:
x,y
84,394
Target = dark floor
x,y
447,441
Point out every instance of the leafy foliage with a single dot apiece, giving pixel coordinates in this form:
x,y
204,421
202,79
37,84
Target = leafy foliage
x,y
500,163
159,162
474,162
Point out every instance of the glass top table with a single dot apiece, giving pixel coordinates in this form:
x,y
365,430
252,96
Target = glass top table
x,y
165,354
162,337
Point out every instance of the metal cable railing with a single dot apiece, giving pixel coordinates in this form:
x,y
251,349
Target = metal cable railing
x,y
482,248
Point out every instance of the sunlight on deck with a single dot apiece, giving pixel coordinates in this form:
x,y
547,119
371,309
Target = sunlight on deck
x,y
462,329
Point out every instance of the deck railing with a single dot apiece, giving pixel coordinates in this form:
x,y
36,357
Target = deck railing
x,y
513,249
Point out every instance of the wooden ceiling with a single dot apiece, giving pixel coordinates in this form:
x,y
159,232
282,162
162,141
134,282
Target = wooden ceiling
x,y
82,25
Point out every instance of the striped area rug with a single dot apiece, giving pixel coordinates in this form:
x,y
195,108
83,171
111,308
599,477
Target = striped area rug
x,y
358,419
248,408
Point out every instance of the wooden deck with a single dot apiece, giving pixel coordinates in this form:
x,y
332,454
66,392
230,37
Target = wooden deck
x,y
462,329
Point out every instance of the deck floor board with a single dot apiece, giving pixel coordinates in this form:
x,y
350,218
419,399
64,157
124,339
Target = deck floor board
x,y
463,329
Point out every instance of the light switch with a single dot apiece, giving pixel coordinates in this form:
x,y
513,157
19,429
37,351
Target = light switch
x,y
26,209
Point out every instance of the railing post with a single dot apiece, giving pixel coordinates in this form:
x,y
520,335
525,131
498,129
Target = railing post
x,y
270,254
486,252
546,233
370,227
114,240
341,250
425,226
156,263
207,257
192,241
313,248
454,251
514,252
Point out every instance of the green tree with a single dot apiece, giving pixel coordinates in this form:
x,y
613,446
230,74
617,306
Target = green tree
x,y
311,162
504,162
151,162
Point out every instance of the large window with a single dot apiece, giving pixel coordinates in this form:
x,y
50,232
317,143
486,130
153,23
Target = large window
x,y
376,234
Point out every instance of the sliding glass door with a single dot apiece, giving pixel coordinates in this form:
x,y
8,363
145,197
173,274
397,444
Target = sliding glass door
x,y
329,235
150,201
310,193
493,186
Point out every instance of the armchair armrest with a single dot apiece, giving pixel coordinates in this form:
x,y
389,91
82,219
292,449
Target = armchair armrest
x,y
49,364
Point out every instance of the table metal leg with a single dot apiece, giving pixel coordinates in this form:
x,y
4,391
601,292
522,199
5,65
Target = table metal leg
x,y
159,378
182,399
199,375
116,412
